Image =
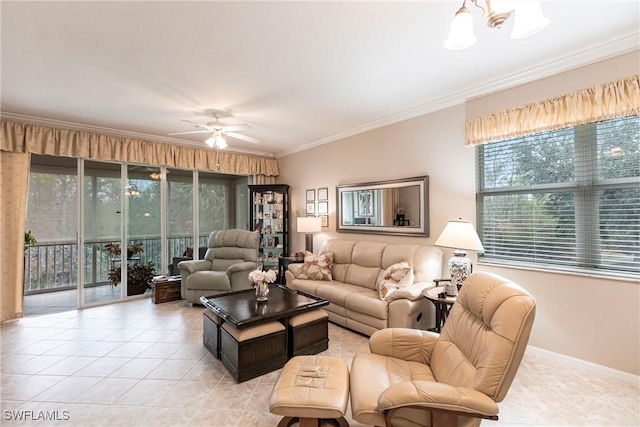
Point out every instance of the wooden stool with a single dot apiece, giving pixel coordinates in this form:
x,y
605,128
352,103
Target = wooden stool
x,y
308,333
311,389
253,351
211,332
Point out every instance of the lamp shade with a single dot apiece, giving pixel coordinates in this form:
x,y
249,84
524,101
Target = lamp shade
x,y
309,224
528,19
461,31
459,235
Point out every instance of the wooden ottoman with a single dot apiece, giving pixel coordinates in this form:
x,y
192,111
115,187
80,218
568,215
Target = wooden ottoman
x,y
311,388
308,333
253,351
211,332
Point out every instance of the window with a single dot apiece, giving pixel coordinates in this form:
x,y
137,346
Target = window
x,y
568,199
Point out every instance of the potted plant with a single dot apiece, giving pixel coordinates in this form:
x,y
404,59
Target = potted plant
x,y
29,239
139,277
113,249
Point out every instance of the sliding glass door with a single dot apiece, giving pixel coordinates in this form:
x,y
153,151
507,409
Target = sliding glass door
x,y
102,232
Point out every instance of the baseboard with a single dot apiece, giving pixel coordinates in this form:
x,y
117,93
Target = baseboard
x,y
593,367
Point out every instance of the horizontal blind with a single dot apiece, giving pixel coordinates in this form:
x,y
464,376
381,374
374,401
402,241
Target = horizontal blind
x,y
568,198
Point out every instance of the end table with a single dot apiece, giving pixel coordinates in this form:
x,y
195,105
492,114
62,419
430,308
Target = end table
x,y
442,303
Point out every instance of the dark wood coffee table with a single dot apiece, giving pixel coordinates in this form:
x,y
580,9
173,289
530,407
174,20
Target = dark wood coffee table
x,y
243,311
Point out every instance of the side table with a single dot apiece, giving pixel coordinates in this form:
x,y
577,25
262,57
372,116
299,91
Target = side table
x,y
283,264
442,304
165,289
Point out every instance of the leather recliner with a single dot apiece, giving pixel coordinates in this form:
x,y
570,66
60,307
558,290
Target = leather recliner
x,y
230,256
420,378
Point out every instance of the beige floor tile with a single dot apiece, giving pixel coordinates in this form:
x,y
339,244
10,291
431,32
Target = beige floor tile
x,y
103,367
32,365
146,392
106,391
136,368
172,369
160,350
69,365
66,390
130,349
25,387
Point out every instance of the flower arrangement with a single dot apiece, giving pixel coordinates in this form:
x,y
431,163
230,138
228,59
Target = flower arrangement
x,y
259,276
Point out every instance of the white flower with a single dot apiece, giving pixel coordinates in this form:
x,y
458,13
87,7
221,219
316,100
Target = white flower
x,y
262,276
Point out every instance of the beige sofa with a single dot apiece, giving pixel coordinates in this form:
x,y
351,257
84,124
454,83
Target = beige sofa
x,y
353,298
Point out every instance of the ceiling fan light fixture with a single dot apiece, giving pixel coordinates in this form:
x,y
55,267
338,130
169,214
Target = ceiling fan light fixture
x,y
221,143
211,141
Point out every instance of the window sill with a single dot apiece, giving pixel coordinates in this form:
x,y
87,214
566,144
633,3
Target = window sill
x,y
581,273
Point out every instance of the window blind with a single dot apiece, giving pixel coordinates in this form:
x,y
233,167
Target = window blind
x,y
568,198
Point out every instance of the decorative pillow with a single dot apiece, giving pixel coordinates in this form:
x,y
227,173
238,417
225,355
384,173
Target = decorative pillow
x,y
316,268
393,279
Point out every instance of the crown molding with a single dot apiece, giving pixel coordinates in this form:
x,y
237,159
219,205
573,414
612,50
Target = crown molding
x,y
603,51
41,121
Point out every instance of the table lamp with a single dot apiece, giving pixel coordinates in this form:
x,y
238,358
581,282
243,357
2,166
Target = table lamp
x,y
461,236
309,225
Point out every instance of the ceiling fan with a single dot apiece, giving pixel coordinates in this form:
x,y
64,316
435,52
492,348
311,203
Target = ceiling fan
x,y
217,131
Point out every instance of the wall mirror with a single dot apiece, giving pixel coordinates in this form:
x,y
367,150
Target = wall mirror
x,y
398,207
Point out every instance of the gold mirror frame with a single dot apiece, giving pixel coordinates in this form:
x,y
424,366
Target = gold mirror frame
x,y
396,207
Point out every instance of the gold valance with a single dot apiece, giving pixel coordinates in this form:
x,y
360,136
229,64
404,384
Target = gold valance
x,y
27,138
610,100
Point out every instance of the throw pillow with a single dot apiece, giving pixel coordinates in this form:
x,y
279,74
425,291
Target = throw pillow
x,y
393,279
316,267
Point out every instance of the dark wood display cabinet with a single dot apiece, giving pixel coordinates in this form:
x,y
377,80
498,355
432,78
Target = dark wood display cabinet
x,y
269,215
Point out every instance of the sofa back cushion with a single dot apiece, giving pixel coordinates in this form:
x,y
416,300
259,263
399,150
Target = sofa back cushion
x,y
360,262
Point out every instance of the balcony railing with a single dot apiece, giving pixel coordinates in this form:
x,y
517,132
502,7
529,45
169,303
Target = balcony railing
x,y
52,266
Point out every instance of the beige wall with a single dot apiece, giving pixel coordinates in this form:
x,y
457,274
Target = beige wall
x,y
592,319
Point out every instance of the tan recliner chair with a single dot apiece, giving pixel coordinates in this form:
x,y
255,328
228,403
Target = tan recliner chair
x,y
420,378
231,255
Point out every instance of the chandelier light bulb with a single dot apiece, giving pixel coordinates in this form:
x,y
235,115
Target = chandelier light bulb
x,y
211,141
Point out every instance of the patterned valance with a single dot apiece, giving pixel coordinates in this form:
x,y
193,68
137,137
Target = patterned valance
x,y
28,138
610,100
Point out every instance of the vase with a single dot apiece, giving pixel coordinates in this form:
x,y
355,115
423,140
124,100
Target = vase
x,y
262,291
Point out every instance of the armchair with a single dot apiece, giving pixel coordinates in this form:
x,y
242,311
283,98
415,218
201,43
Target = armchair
x,y
419,378
230,256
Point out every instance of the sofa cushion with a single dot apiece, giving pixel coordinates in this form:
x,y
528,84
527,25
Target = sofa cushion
x,y
337,292
316,267
367,303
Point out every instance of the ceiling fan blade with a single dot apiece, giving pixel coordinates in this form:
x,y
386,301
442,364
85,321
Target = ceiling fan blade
x,y
193,131
200,125
242,137
240,126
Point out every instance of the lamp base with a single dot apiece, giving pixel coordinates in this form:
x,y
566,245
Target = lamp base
x,y
308,242
459,269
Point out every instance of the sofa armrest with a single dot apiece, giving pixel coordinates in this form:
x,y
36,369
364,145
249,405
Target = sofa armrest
x,y
193,266
404,343
294,269
438,397
241,266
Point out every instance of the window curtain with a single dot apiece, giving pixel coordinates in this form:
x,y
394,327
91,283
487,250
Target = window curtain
x,y
26,138
263,180
614,99
14,186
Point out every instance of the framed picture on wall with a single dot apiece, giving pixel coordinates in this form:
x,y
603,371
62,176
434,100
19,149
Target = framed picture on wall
x,y
365,203
323,193
311,208
311,195
323,208
324,220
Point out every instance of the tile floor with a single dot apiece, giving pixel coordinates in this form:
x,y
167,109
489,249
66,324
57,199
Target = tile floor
x,y
58,301
140,364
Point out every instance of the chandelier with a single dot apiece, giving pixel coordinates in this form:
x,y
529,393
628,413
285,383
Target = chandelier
x,y
527,16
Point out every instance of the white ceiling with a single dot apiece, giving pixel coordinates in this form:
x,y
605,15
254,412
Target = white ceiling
x,y
301,73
